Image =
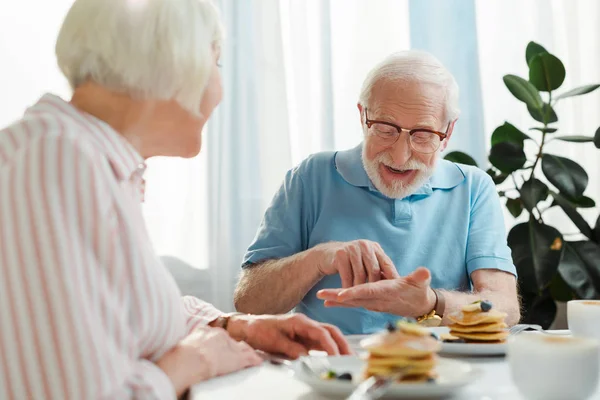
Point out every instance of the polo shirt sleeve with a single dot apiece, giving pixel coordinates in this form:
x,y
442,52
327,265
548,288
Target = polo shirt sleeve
x,y
282,232
486,246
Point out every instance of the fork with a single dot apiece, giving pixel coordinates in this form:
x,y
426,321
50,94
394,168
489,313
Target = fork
x,y
515,330
376,386
304,362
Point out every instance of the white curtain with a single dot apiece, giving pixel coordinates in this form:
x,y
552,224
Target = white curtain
x,y
292,73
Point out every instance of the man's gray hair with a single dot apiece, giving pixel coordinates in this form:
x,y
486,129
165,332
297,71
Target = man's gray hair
x,y
414,66
149,49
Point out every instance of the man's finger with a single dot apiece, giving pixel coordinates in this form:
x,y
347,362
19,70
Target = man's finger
x,y
371,264
339,338
332,303
358,269
313,332
328,294
345,271
365,291
386,265
289,347
419,277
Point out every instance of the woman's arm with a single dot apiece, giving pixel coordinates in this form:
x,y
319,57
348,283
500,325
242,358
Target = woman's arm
x,y
64,310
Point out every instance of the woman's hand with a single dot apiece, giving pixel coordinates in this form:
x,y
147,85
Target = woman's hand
x,y
203,354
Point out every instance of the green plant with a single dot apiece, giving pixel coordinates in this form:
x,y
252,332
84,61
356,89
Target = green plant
x,y
550,267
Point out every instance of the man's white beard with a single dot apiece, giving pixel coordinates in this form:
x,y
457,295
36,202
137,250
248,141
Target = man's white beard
x,y
398,189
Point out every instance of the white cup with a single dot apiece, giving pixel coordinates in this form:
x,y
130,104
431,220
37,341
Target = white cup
x,y
584,318
546,367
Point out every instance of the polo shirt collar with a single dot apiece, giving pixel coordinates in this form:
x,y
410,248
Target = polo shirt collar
x,y
349,165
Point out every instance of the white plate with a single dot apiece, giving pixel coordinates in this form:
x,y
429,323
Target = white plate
x,y
474,349
452,376
462,349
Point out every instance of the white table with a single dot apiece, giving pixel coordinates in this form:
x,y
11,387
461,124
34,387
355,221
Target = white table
x,y
271,382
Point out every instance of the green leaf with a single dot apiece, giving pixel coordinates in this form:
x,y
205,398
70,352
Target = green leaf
x,y
544,130
565,174
497,177
461,158
572,213
589,254
559,289
578,91
514,206
507,157
524,91
545,115
546,72
538,309
532,192
532,50
575,138
574,270
508,133
581,202
536,251
597,230
597,138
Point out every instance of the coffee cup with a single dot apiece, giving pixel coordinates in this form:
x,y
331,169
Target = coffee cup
x,y
583,317
552,367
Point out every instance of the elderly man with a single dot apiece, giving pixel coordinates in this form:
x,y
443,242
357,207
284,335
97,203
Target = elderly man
x,y
385,229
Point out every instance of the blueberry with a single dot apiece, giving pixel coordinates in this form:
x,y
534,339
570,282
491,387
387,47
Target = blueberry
x,y
430,380
346,376
390,327
486,306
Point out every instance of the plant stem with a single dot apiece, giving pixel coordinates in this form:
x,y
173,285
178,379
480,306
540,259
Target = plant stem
x,y
541,148
515,182
540,219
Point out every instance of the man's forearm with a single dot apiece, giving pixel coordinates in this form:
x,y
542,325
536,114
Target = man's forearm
x,y
277,286
502,301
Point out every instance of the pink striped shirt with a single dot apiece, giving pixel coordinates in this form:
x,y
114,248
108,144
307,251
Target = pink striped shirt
x,y
86,307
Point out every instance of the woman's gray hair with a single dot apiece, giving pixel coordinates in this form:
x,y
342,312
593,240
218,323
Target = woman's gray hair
x,y
149,49
414,66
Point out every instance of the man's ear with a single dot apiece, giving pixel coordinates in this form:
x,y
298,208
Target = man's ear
x,y
450,130
360,112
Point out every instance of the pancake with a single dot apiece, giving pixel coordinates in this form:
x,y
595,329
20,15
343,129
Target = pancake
x,y
476,318
490,327
429,361
405,347
384,371
478,322
482,337
401,345
411,378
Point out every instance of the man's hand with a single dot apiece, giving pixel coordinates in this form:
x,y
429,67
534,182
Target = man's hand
x,y
409,296
290,335
357,262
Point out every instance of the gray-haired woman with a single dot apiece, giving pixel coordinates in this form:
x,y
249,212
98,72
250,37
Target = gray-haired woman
x,y
86,308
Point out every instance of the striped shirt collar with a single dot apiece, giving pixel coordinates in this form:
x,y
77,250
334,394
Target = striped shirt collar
x,y
122,156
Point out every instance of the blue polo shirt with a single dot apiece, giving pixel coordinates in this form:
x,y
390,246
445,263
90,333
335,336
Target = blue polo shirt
x,y
452,225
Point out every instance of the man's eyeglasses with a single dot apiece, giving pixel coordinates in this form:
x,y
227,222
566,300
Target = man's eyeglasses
x,y
422,140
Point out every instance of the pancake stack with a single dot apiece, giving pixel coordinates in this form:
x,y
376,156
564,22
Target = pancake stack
x,y
478,322
404,345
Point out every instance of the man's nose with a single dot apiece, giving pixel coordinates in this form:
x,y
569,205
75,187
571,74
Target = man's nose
x,y
401,151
